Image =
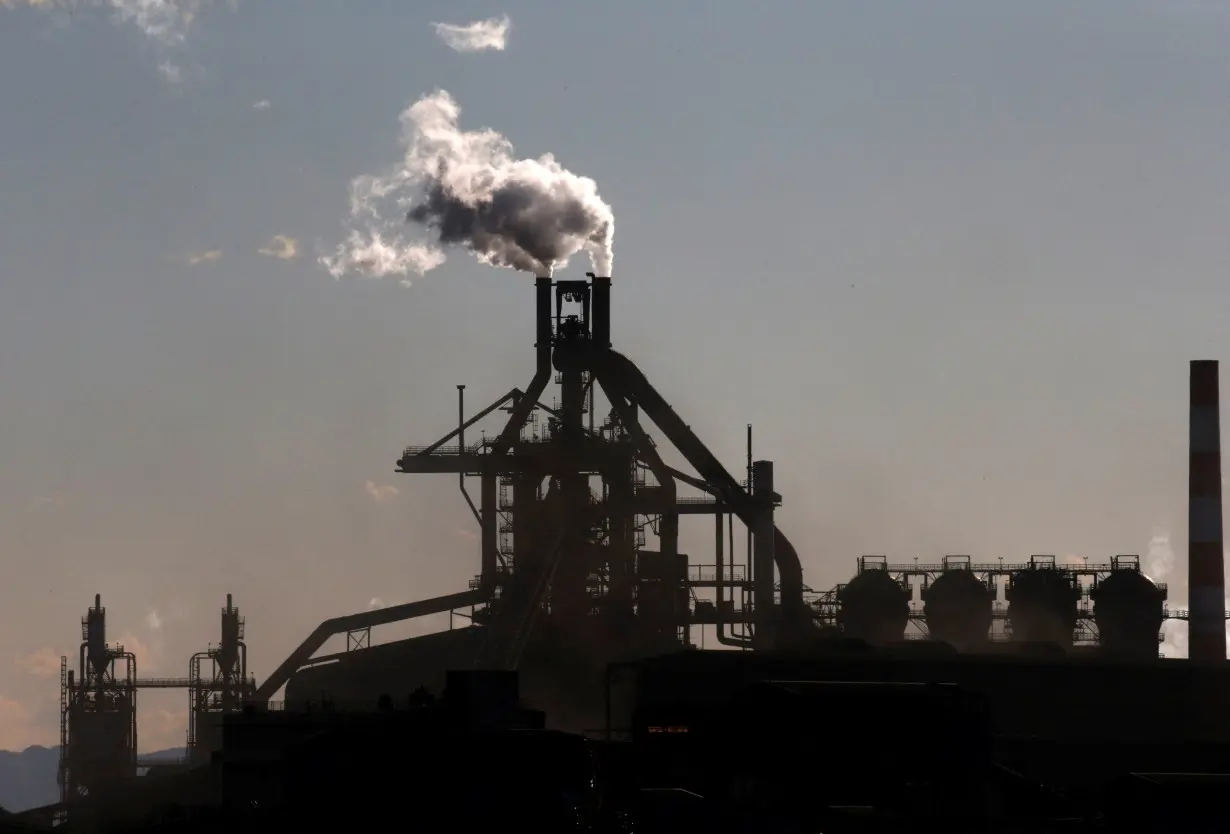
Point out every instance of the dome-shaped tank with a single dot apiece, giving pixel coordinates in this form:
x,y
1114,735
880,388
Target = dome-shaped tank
x,y
1128,609
874,607
958,607
1042,606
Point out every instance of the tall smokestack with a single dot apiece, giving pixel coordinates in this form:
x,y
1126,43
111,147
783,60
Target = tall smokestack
x,y
1206,579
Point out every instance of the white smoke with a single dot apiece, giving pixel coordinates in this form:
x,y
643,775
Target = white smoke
x,y
1160,564
491,33
369,254
468,189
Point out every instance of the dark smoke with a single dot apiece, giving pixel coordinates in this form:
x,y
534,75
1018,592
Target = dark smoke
x,y
519,226
468,189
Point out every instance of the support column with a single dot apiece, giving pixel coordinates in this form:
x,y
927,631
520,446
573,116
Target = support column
x,y
489,511
765,612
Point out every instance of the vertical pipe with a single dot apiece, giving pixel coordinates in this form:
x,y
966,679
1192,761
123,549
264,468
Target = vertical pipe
x,y
488,506
543,329
461,433
749,568
764,608
720,570
601,328
461,418
1205,563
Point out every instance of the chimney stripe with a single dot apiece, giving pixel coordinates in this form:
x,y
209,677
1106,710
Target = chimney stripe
x,y
1205,557
1204,521
1205,429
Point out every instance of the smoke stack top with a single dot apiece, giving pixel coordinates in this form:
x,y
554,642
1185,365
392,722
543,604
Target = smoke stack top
x,y
467,189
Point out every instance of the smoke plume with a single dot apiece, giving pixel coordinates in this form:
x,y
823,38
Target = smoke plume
x,y
491,33
1160,564
467,189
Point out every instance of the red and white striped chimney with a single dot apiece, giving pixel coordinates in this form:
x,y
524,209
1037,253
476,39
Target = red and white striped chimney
x,y
1206,580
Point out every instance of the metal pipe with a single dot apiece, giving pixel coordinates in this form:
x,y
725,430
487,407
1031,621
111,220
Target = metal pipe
x,y
461,421
1205,561
749,566
722,637
764,608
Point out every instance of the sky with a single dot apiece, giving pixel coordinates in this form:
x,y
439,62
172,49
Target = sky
x,y
950,259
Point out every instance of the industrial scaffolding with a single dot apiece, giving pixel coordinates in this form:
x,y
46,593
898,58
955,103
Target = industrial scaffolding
x,y
98,705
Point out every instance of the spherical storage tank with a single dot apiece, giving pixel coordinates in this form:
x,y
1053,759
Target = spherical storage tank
x,y
1128,609
958,609
874,607
1042,605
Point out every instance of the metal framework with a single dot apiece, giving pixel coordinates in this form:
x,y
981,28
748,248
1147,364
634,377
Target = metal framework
x,y
565,505
218,683
98,705
916,577
98,713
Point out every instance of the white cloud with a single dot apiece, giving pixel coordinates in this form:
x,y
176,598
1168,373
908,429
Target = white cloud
x,y
18,728
41,663
380,493
491,33
198,258
153,621
171,72
263,104
166,23
282,247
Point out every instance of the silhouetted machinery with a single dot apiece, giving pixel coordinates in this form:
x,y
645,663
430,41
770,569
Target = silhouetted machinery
x,y
1113,606
959,607
567,583
98,707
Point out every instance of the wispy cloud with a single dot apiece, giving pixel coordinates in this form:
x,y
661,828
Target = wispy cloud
x,y
41,663
480,35
18,729
381,493
263,104
282,247
164,22
153,621
198,258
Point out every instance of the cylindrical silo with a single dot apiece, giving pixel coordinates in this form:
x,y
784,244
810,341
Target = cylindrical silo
x,y
1128,609
958,609
1042,605
874,607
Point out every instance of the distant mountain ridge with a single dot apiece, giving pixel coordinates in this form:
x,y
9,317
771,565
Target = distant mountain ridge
x,y
28,778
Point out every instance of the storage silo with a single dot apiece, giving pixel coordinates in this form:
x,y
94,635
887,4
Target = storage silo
x,y
874,607
1043,605
1128,608
958,608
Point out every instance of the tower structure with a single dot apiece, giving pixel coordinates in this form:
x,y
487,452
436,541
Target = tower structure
x,y
98,714
567,500
218,684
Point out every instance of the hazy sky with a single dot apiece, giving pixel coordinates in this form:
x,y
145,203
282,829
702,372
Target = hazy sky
x,y
951,259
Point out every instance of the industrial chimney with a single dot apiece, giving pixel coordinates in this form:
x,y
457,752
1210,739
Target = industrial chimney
x,y
1206,579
